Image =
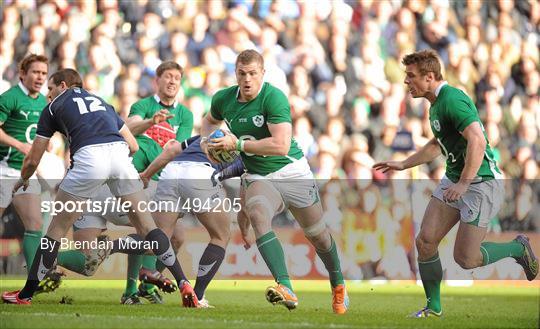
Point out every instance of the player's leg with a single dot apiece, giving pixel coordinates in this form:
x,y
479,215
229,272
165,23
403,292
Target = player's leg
x,y
439,218
481,202
177,240
49,244
152,279
145,226
76,260
218,226
262,202
315,230
27,206
150,276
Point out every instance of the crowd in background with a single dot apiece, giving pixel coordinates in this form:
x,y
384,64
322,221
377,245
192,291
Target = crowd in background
x,y
339,64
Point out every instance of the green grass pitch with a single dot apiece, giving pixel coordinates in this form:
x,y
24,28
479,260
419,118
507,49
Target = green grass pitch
x,y
241,304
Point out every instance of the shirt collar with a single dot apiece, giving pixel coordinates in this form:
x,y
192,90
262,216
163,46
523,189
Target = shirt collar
x,y
23,88
438,90
156,97
238,90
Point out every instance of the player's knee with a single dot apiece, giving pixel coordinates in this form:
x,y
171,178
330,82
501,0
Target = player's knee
x,y
35,225
33,222
318,235
466,262
258,210
425,247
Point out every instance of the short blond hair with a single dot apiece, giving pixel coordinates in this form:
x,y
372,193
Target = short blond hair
x,y
426,61
250,56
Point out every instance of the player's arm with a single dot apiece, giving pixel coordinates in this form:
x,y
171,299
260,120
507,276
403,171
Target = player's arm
x,y
138,125
6,106
170,151
278,143
476,146
426,154
31,162
208,125
130,139
6,139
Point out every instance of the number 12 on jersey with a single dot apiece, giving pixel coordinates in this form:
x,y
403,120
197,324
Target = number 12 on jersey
x,y
445,152
95,104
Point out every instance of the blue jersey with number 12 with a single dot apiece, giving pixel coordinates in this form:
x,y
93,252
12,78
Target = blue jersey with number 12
x,y
85,119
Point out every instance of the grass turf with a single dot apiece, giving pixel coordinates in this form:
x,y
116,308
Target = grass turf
x,y
242,304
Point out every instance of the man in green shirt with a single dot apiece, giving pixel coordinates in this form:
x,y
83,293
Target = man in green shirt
x,y
156,109
471,191
153,121
20,108
278,175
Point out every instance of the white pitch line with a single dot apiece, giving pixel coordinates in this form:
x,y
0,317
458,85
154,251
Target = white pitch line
x,y
182,318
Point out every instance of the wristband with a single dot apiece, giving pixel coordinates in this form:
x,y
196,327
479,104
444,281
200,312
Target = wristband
x,y
240,145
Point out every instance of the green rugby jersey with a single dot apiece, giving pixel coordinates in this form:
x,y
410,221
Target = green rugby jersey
x,y
181,122
449,115
249,121
149,149
19,114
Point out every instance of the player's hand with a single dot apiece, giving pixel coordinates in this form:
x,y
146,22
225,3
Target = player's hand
x,y
244,224
144,178
204,148
160,116
386,166
455,192
24,148
227,142
20,183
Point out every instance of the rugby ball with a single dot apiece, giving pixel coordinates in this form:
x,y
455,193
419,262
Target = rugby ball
x,y
221,156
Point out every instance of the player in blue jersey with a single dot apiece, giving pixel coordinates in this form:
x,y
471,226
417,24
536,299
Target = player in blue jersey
x,y
188,183
100,145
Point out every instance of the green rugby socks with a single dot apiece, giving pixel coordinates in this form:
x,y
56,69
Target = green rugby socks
x,y
272,253
493,251
431,274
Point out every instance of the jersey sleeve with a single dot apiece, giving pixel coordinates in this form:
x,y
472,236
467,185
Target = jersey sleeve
x,y
215,107
119,122
138,109
47,124
6,104
277,107
185,129
460,114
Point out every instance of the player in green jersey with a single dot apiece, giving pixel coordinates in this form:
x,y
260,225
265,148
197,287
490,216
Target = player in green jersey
x,y
470,192
20,108
159,108
151,120
278,175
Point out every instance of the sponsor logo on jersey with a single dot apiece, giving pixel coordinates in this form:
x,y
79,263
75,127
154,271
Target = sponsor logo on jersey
x,y
25,114
258,120
437,125
242,120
